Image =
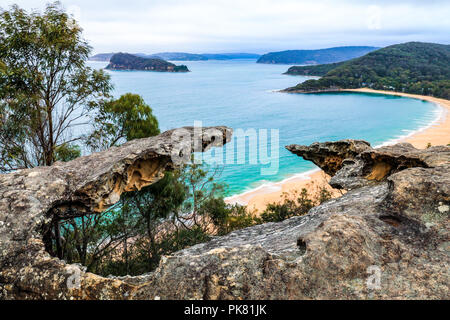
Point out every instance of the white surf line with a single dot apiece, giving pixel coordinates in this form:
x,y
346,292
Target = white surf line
x,y
269,187
441,113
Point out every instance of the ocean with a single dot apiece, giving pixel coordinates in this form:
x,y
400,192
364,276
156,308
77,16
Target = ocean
x,y
243,95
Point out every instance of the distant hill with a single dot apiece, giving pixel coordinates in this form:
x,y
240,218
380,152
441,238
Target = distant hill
x,y
126,61
182,56
230,56
319,56
413,67
101,57
177,56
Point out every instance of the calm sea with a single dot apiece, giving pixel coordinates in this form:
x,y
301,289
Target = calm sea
x,y
241,94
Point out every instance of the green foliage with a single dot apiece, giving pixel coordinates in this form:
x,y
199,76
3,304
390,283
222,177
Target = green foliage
x,y
45,88
181,68
184,238
314,70
324,195
88,238
67,152
227,218
124,119
277,212
201,187
300,205
413,67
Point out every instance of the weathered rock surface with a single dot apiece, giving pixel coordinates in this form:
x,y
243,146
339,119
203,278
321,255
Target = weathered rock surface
x,y
397,222
394,218
329,155
30,199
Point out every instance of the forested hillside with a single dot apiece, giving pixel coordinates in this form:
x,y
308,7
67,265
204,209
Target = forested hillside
x,y
413,67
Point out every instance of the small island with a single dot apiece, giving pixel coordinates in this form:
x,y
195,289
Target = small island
x,y
126,61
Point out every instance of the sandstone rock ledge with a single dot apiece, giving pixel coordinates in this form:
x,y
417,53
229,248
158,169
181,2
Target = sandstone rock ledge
x,y
395,217
30,199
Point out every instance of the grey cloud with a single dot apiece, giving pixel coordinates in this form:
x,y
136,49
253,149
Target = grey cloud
x,y
258,25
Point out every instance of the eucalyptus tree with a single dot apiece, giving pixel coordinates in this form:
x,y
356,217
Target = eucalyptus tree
x,y
53,106
46,88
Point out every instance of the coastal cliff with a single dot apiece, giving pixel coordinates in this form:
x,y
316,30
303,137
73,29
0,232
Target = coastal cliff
x,y
125,61
394,219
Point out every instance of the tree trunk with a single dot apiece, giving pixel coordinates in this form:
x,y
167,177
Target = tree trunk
x,y
49,158
59,250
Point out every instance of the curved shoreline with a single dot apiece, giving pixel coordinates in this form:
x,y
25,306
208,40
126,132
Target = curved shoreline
x,y
435,133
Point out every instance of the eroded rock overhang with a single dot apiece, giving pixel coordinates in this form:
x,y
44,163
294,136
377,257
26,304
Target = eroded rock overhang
x,y
30,198
394,219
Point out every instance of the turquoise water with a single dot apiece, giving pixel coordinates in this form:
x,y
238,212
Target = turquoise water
x,y
240,94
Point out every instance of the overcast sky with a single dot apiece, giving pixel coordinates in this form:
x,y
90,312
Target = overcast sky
x,y
259,26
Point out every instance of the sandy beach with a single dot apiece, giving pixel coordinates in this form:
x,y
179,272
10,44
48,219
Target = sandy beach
x,y
438,133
